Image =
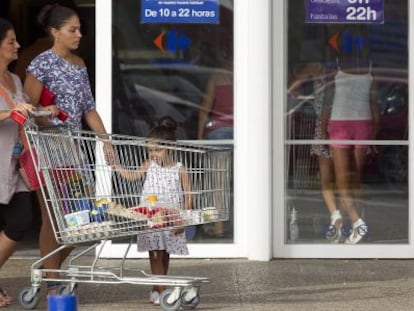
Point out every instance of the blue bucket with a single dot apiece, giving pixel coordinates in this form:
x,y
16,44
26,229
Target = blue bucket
x,y
62,303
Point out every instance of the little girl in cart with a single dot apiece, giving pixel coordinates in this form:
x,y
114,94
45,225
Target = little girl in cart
x,y
165,182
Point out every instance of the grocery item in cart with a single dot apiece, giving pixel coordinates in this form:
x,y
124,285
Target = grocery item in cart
x,y
77,218
75,186
125,218
98,210
120,211
72,190
204,215
160,217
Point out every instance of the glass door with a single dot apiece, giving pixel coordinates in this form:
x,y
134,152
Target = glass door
x,y
346,130
175,59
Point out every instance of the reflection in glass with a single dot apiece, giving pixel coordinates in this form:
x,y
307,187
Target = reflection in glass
x,y
382,198
324,188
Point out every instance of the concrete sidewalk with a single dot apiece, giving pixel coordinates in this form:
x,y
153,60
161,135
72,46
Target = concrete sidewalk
x,y
247,285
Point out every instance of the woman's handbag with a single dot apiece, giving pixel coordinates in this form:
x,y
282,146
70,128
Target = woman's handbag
x,y
27,169
46,98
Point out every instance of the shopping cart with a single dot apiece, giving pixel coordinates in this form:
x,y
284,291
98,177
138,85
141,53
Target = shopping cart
x,y
302,171
89,201
301,122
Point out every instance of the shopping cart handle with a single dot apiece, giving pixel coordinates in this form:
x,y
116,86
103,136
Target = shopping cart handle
x,y
20,118
62,116
40,113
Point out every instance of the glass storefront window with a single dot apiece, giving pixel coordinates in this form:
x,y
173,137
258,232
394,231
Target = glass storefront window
x,y
181,70
347,129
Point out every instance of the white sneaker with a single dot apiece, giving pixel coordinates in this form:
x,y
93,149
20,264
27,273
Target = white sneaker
x,y
155,297
334,231
359,231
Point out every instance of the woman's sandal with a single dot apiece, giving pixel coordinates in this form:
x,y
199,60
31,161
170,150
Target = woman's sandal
x,y
5,299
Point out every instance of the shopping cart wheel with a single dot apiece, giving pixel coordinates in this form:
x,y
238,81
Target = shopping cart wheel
x,y
66,289
29,298
165,304
189,304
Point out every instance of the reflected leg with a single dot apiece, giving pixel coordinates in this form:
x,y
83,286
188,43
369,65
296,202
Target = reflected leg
x,y
326,171
360,156
327,186
341,158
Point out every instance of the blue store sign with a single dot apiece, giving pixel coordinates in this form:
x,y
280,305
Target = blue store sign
x,y
345,11
180,11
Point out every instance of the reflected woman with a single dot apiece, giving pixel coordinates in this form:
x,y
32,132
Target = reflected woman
x,y
354,116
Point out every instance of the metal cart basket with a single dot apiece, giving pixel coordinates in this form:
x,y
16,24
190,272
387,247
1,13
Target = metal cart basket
x,y
302,171
90,198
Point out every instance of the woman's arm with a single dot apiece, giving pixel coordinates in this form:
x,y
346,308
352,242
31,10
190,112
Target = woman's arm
x,y
33,88
206,105
5,114
94,121
186,184
326,110
375,110
20,107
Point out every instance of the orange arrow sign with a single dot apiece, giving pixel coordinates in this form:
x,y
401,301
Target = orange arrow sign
x,y
333,41
158,41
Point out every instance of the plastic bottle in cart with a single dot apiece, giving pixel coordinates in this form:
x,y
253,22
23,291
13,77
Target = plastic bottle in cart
x,y
293,225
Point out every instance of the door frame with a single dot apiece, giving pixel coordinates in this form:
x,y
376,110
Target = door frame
x,y
280,248
242,246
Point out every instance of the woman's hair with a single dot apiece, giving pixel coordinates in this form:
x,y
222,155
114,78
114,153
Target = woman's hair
x,y
5,26
165,129
54,16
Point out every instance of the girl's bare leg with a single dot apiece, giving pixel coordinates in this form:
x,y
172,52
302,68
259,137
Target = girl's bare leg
x,y
159,262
